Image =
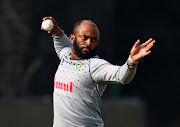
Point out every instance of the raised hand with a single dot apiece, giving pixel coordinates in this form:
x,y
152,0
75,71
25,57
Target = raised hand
x,y
140,51
56,31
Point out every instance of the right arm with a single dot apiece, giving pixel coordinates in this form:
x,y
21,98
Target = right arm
x,y
61,41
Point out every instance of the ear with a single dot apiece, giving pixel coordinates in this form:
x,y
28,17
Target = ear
x,y
72,38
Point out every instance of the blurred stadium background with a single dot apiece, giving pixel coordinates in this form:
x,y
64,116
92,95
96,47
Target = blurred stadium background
x,y
28,61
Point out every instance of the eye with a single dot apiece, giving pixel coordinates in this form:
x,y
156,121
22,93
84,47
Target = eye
x,y
85,37
94,39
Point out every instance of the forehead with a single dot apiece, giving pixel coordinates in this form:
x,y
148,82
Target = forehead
x,y
87,28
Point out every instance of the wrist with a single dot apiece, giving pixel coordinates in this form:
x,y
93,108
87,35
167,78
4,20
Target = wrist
x,y
58,36
57,32
60,33
131,62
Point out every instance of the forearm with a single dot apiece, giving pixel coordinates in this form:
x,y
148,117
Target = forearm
x,y
126,73
57,32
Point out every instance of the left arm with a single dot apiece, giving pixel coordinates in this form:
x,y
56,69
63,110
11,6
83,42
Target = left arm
x,y
103,72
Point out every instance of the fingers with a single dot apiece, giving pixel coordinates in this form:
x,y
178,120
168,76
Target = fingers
x,y
150,45
54,22
50,31
147,42
45,18
41,28
51,18
148,52
136,43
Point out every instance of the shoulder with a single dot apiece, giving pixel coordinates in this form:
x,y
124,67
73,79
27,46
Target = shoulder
x,y
97,63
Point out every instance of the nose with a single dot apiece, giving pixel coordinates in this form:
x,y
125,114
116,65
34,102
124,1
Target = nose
x,y
88,41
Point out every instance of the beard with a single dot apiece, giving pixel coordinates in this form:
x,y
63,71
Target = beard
x,y
78,51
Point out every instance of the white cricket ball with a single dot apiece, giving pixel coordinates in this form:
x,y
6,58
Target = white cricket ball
x,y
47,25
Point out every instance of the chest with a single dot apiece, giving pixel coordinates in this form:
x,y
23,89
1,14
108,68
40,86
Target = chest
x,y
74,76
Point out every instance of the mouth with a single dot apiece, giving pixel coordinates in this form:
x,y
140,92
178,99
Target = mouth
x,y
86,49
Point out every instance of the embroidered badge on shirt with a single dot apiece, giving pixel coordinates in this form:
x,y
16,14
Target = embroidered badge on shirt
x,y
78,66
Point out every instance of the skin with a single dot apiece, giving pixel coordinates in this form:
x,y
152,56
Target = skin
x,y
87,34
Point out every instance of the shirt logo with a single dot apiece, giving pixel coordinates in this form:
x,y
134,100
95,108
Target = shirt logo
x,y
78,66
64,87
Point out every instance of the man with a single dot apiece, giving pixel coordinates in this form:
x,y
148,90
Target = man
x,y
81,77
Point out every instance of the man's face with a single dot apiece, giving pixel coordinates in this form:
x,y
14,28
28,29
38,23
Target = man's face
x,y
83,52
86,40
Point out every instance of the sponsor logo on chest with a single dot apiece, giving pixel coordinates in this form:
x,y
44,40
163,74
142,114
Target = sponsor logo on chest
x,y
63,86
